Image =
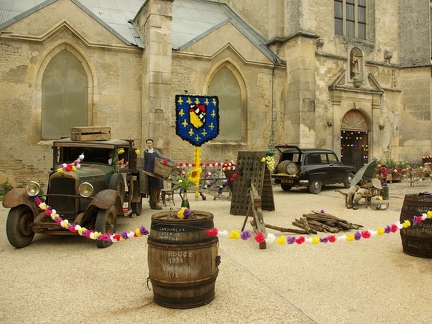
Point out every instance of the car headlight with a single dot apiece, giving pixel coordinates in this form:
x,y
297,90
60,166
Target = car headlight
x,y
85,189
33,188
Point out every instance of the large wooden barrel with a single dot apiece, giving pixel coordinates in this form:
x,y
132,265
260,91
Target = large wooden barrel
x,y
417,239
183,260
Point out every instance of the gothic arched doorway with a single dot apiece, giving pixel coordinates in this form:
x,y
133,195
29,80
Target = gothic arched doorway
x,y
354,139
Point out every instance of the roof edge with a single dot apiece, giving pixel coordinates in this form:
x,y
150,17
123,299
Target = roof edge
x,y
26,13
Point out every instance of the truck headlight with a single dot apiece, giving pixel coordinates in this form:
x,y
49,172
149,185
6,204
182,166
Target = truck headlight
x,y
33,188
85,189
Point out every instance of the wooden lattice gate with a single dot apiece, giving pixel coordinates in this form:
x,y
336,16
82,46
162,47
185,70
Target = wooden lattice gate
x,y
250,170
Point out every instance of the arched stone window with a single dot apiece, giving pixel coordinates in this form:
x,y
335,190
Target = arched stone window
x,y
224,84
64,96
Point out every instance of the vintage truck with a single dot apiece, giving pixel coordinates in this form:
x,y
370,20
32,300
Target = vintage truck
x,y
91,195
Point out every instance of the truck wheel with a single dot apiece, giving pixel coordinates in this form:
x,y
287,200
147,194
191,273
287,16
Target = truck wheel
x,y
315,186
137,207
347,182
106,222
117,183
286,187
19,226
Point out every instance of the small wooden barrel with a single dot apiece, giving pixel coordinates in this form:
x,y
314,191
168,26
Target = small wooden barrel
x,y
287,167
281,167
183,260
417,239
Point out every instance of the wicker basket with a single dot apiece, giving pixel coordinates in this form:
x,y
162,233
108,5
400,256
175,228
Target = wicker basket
x,y
163,168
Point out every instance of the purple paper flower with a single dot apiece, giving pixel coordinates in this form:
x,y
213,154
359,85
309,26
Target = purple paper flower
x,y
387,230
290,239
324,239
144,231
357,235
245,235
124,235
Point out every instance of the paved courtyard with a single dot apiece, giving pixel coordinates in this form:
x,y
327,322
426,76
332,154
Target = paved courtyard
x,y
66,279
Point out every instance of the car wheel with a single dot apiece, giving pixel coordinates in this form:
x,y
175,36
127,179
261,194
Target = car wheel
x,y
106,222
117,183
315,186
19,226
347,183
286,187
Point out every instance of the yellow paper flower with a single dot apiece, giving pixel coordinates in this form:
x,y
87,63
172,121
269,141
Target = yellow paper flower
x,y
281,240
234,235
263,159
180,213
97,234
380,231
406,223
429,214
137,152
350,237
380,198
60,170
315,240
137,232
120,151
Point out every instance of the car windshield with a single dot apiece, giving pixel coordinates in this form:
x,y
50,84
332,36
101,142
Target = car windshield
x,y
91,155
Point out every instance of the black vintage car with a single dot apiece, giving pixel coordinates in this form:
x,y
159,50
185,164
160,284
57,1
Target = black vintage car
x,y
91,192
310,167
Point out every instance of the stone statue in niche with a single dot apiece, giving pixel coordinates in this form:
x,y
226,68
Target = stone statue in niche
x,y
356,59
355,71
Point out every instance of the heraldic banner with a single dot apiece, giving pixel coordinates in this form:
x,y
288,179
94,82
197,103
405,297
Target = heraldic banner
x,y
197,118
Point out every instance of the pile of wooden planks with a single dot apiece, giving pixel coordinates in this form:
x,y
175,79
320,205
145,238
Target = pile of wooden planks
x,y
322,222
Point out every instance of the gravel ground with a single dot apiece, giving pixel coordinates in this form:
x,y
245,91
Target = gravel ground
x,y
66,279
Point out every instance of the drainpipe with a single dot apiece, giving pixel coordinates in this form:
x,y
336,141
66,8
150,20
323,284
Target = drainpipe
x,y
271,144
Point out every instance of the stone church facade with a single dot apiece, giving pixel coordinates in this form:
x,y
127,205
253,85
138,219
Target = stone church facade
x,y
353,76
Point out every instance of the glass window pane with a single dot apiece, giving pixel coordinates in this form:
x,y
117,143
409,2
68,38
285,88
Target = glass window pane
x,y
350,12
225,86
350,29
338,9
362,3
338,26
362,15
350,1
362,31
64,96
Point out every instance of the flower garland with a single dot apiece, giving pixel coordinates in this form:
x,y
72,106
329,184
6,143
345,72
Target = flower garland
x,y
90,234
235,234
208,164
357,236
71,166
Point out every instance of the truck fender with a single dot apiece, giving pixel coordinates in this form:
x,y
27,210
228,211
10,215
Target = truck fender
x,y
105,199
19,196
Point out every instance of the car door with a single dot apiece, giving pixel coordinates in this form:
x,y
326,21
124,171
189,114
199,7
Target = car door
x,y
336,172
